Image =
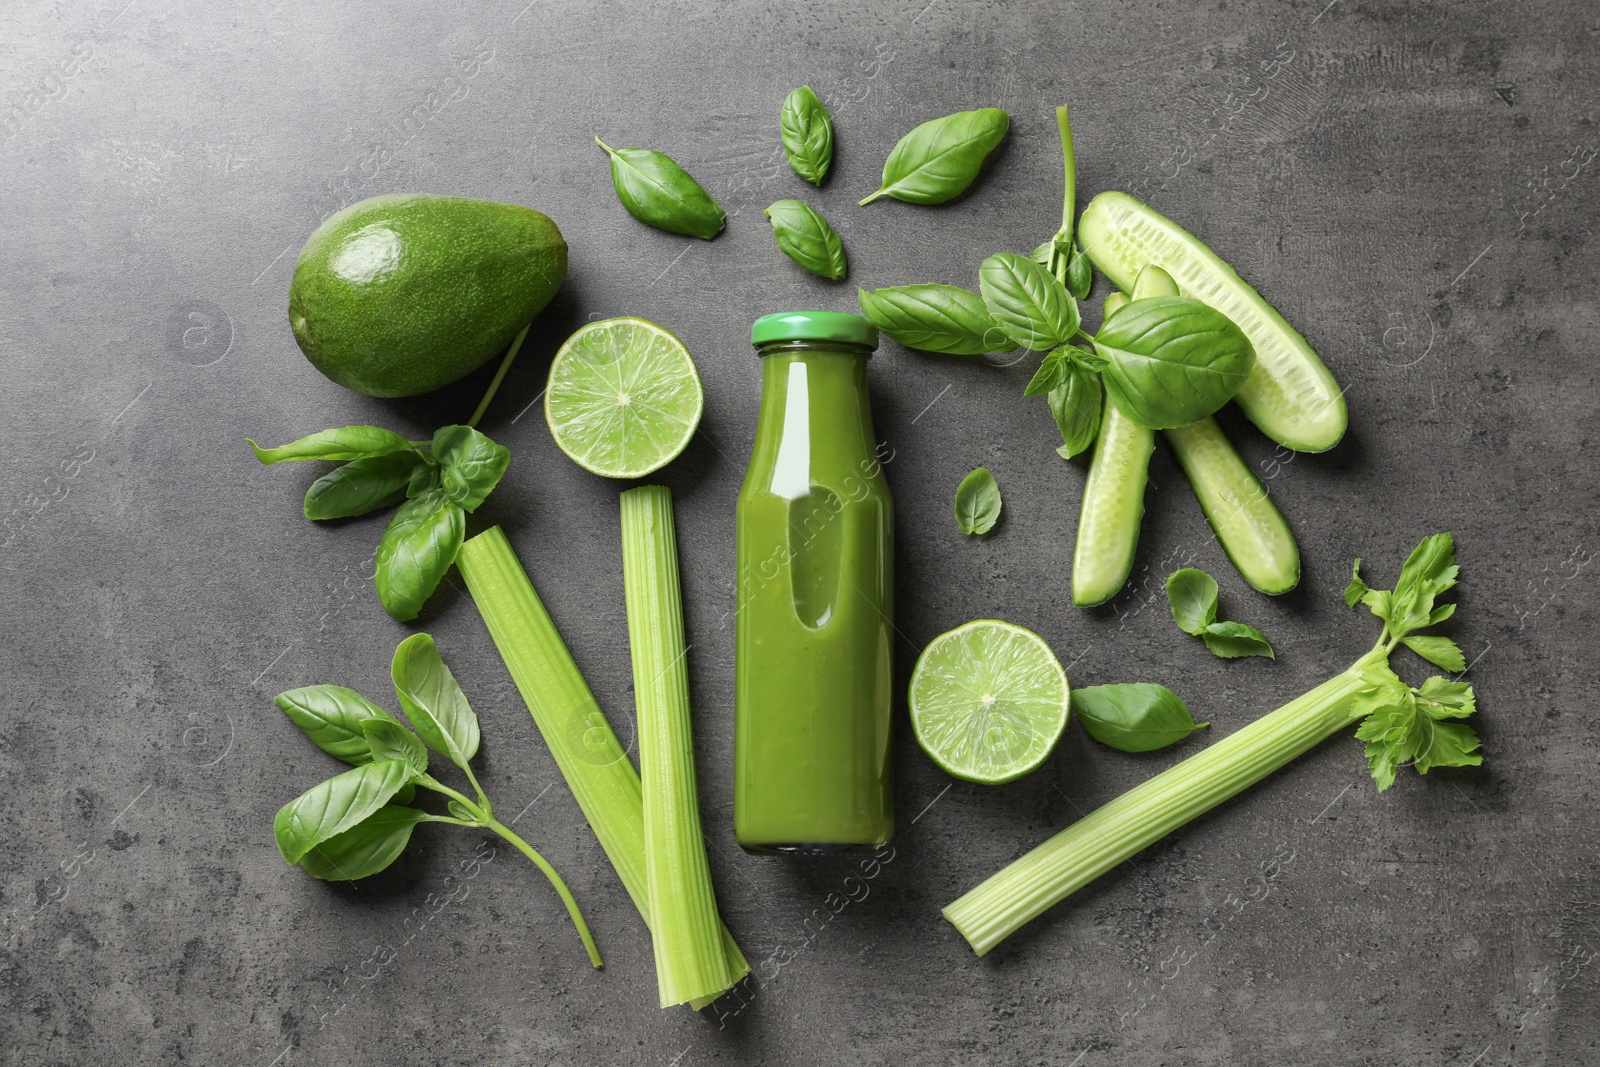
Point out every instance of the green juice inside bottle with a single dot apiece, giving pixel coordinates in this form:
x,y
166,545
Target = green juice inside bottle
x,y
815,598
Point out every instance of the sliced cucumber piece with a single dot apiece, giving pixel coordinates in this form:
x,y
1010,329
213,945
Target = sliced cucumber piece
x,y
1113,504
1290,395
1246,521
1153,281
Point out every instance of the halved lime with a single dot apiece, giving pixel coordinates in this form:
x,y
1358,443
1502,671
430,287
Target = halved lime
x,y
624,397
988,701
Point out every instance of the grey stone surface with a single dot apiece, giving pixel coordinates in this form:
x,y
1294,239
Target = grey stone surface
x,y
1412,184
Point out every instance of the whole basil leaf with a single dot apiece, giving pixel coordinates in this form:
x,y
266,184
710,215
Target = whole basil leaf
x,y
1134,717
346,442
433,701
978,502
389,740
807,131
1192,595
1171,360
1031,306
1235,640
1076,403
659,193
940,158
1080,274
935,318
336,805
331,716
470,465
366,848
362,485
805,237
417,548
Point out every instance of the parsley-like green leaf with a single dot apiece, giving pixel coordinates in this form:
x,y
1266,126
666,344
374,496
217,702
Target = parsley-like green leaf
x,y
1394,735
1439,651
1449,745
1357,588
1444,699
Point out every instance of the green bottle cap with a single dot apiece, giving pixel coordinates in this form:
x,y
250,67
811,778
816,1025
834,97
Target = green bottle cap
x,y
814,326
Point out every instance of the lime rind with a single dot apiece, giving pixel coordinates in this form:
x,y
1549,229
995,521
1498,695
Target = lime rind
x,y
624,398
988,701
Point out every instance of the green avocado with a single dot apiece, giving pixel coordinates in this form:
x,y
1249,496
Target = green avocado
x,y
405,293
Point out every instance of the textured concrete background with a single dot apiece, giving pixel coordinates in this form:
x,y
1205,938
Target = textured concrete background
x,y
1414,185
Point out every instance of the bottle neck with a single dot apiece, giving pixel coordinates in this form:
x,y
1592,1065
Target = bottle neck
x,y
816,421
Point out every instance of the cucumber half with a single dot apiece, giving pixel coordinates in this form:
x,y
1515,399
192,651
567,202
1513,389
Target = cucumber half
x,y
1113,505
1290,395
1248,524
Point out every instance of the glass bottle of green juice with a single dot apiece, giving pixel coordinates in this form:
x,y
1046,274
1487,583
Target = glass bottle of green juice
x,y
815,608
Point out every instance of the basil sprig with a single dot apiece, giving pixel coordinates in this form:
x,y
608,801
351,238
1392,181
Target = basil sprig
x,y
805,237
1192,594
939,159
807,132
659,193
439,481
356,824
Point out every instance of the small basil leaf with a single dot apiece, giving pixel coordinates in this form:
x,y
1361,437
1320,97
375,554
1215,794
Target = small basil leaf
x,y
1076,404
1439,651
366,848
1192,595
335,806
470,465
1031,306
331,716
1080,274
1045,254
935,318
940,158
433,701
1172,360
362,485
805,237
1233,640
807,131
978,502
1357,588
417,548
659,193
1053,370
425,476
1134,717
389,740
347,442
459,810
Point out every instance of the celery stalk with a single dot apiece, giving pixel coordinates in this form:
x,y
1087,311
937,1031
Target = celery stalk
x,y
1145,814
597,770
690,962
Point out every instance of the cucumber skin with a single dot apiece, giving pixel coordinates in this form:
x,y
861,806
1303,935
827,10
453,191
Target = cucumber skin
x,y
1113,505
1267,396
1249,526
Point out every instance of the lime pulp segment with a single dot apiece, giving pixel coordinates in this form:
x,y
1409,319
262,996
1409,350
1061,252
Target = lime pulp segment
x,y
624,397
988,701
